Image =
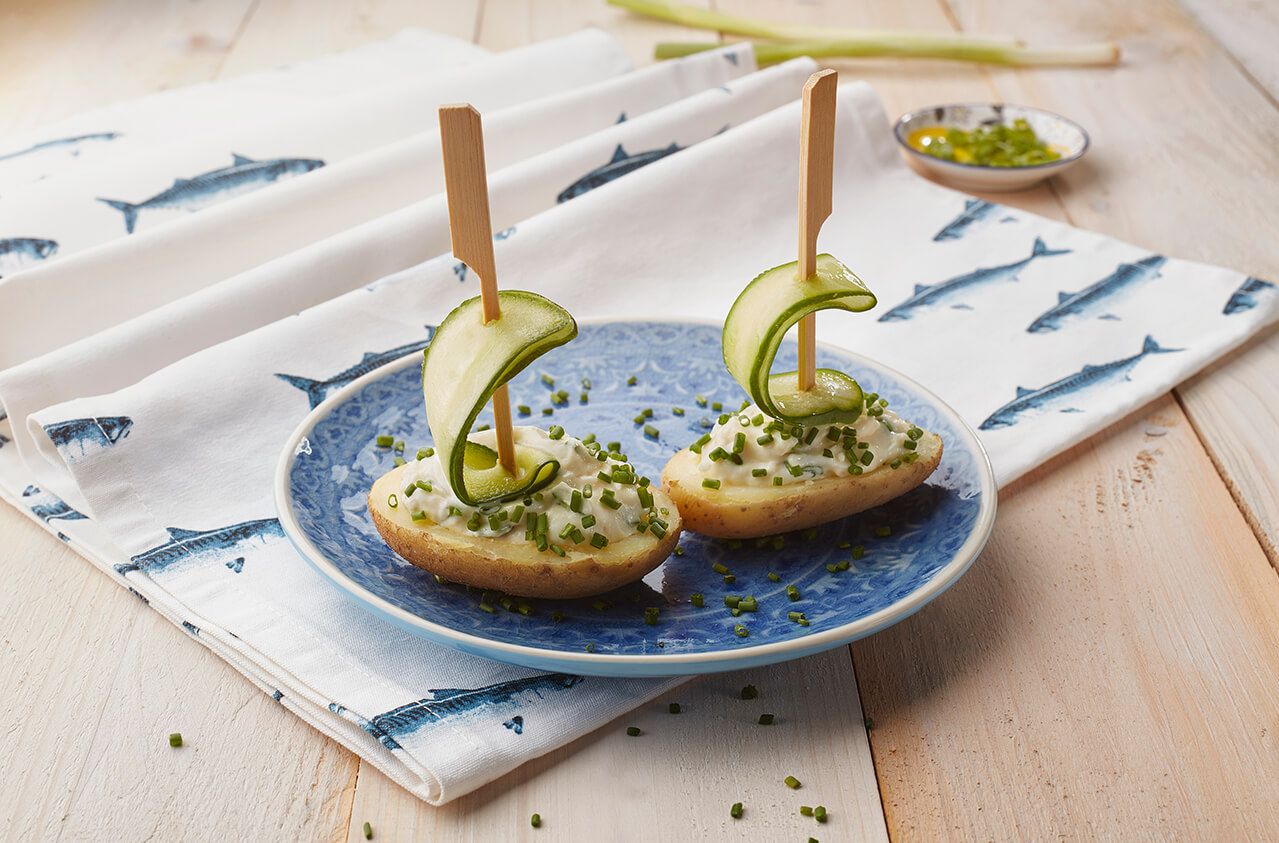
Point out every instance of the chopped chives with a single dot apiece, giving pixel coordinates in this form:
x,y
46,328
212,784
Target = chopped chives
x,y
705,422
385,441
418,516
897,463
792,782
679,550
536,821
556,432
607,478
806,811
717,406
719,568
608,500
883,530
586,491
774,577
631,380
735,612
777,481
673,708
842,564
546,411
633,731
808,534
766,439
758,472
766,720
701,400
650,431
679,411
175,739
792,592
393,501
739,442
736,811
748,604
910,444
830,567
399,461
750,692
867,458
482,427
723,419
795,471
599,541
586,383
650,616
575,501
368,831
639,419
731,600
819,813
557,616
588,521
859,551
870,723
455,511
742,632
486,607
696,447
548,380
524,409
710,483
584,398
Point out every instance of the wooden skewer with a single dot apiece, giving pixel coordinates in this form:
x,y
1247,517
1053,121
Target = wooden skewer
x,y
470,226
816,171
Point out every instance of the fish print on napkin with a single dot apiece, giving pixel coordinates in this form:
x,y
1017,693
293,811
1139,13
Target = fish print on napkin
x,y
20,252
243,176
954,292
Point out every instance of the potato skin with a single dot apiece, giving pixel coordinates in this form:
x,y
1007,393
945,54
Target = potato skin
x,y
518,569
738,512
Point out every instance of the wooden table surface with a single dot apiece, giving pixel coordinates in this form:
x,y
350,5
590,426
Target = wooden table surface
x,y
1108,669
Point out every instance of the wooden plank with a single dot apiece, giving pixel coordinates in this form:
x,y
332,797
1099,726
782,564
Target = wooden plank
x,y
1107,667
512,23
94,681
678,779
1248,31
285,31
60,58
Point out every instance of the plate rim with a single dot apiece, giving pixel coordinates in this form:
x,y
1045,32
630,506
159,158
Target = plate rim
x,y
651,664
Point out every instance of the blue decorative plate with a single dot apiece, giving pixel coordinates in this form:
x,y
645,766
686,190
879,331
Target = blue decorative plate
x,y
934,532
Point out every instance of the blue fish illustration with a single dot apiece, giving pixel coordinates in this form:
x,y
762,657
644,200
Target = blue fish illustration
x,y
317,390
1062,395
278,695
1246,297
67,146
75,438
460,269
946,292
975,215
191,628
619,165
243,176
1087,302
185,547
515,724
47,506
621,118
20,252
460,702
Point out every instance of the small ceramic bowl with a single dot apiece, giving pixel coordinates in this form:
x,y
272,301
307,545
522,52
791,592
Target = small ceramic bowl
x,y
1066,136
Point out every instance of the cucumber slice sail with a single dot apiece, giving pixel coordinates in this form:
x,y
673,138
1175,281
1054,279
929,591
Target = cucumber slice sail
x,y
465,363
760,318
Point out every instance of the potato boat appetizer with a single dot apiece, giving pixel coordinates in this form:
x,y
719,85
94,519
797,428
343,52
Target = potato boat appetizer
x,y
571,520
796,457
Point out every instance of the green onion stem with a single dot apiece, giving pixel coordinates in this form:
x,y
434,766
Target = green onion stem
x,y
913,46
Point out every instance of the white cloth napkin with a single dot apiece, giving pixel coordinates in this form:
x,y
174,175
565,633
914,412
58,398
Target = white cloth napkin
x,y
678,237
